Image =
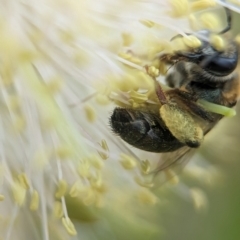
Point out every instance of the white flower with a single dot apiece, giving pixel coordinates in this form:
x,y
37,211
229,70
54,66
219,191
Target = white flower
x,y
60,61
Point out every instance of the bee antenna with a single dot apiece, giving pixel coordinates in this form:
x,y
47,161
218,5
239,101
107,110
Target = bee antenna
x,y
229,21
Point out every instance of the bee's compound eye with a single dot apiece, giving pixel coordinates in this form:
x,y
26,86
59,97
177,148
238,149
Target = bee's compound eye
x,y
222,66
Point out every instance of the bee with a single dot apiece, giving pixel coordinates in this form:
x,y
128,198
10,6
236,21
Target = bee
x,y
180,123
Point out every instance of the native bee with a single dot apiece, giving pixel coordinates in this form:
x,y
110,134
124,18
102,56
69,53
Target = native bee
x,y
180,123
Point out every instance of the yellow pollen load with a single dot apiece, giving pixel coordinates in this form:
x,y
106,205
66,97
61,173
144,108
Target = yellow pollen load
x,y
67,223
127,39
179,8
128,162
192,41
23,180
1,197
105,153
202,4
19,193
57,209
90,113
210,21
199,198
218,43
61,189
147,23
146,197
34,204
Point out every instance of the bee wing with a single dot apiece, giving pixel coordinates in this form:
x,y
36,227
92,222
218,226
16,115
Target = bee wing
x,y
171,164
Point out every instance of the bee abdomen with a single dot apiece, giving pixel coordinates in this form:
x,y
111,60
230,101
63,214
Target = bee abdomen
x,y
143,130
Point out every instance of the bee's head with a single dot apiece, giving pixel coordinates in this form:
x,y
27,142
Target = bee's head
x,y
216,61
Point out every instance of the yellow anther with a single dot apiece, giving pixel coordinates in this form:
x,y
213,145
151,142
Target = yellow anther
x,y
171,176
147,183
104,154
193,22
138,97
152,71
64,152
67,223
147,23
146,197
127,39
145,166
76,189
19,193
34,204
57,209
135,60
199,198
84,169
102,99
1,197
23,180
61,189
124,55
14,102
55,85
218,43
210,21
41,158
90,113
192,41
19,124
96,162
179,7
128,162
202,4
90,197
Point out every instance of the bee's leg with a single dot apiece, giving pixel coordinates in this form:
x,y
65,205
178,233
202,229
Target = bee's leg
x,y
158,89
